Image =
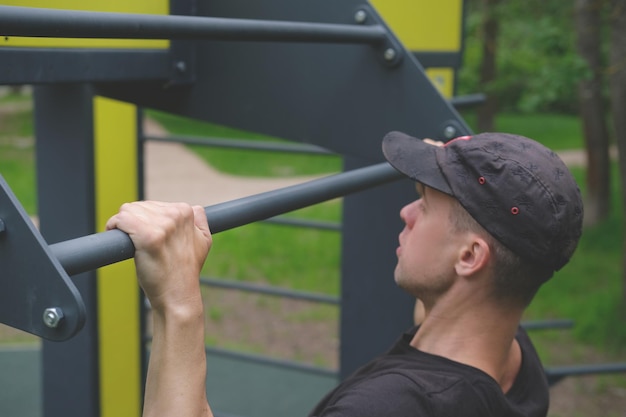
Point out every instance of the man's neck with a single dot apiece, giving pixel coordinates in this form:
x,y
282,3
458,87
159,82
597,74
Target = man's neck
x,y
474,333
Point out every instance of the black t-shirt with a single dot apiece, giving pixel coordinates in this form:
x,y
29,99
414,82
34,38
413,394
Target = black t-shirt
x,y
407,382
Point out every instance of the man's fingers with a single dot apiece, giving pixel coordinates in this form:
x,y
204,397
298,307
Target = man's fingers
x,y
433,142
200,220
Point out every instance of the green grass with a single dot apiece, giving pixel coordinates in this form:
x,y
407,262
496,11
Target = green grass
x,y
16,97
17,159
557,132
243,162
298,258
301,259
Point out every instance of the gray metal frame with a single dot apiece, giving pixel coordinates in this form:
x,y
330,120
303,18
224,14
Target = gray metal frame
x,y
36,276
325,73
64,152
340,96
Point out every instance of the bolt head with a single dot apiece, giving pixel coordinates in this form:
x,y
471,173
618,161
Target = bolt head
x,y
389,54
360,16
449,132
181,66
52,317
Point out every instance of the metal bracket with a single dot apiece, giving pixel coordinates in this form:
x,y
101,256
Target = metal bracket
x,y
391,50
37,295
182,52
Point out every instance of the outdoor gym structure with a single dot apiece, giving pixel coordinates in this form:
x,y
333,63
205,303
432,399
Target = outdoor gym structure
x,y
327,73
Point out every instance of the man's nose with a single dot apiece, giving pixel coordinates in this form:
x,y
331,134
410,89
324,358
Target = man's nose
x,y
407,213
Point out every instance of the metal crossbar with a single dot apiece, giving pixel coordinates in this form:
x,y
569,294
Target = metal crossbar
x,y
96,250
556,374
268,290
246,144
39,22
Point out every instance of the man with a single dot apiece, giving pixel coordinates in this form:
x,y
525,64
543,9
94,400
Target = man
x,y
498,214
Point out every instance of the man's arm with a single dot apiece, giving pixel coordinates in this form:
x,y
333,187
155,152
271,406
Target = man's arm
x,y
171,242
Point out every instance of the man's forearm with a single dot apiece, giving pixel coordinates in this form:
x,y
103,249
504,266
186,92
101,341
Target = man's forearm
x,y
177,369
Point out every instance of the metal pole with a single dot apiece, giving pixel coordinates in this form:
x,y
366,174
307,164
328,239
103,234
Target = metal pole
x,y
256,145
94,251
39,22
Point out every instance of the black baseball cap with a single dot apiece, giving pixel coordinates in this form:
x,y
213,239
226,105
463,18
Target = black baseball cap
x,y
518,190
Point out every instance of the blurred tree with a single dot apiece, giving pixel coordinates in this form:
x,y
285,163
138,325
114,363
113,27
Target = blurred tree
x,y
593,109
617,80
538,67
487,112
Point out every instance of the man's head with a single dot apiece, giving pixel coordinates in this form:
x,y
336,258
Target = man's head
x,y
516,189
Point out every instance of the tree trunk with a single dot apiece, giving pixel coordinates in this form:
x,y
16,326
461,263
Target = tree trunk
x,y
593,110
617,77
487,112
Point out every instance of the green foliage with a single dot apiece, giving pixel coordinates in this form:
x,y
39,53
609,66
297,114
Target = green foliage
x,y
17,160
556,131
589,289
538,67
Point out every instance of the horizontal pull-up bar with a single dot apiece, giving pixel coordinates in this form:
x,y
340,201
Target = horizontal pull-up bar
x,y
93,251
39,22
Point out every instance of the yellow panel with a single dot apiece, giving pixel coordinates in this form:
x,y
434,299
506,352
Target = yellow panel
x,y
115,136
123,6
424,25
443,79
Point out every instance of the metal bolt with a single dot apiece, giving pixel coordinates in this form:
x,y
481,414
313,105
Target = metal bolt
x,y
389,54
360,16
449,132
181,66
52,317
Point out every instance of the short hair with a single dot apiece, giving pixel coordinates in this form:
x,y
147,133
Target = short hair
x,y
514,279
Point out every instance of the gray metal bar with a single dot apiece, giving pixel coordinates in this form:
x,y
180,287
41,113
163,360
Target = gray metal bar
x,y
65,193
548,324
94,251
556,374
243,144
61,65
439,59
39,22
265,360
267,290
271,361
468,100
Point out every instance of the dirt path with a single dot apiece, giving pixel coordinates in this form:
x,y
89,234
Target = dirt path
x,y
174,173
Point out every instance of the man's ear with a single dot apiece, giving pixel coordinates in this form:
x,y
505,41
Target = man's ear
x,y
473,257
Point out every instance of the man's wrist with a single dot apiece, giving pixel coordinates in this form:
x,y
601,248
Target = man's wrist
x,y
181,311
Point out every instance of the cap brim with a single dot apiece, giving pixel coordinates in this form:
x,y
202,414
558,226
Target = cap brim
x,y
415,159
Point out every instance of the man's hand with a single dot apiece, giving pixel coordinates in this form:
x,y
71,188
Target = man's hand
x,y
171,242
